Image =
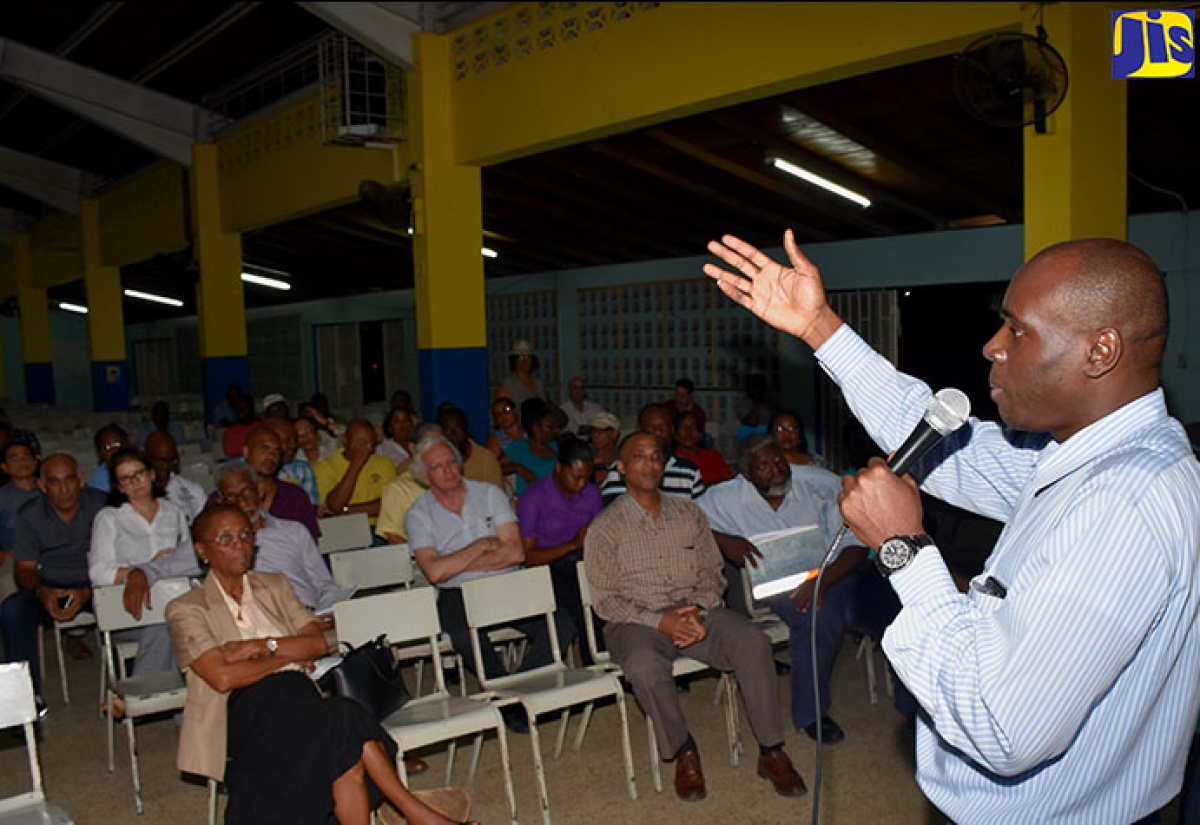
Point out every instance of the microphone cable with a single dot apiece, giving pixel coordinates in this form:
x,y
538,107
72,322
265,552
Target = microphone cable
x,y
816,676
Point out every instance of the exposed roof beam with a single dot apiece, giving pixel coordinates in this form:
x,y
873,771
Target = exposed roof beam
x,y
160,123
11,221
384,28
51,183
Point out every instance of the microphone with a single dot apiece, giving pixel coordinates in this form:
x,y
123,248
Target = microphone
x,y
947,411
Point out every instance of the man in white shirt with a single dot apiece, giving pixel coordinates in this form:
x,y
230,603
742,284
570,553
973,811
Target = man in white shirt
x,y
578,408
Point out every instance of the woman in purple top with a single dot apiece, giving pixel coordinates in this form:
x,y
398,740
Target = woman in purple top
x,y
553,514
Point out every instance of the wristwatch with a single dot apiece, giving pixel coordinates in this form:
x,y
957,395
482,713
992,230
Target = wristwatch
x,y
272,646
897,552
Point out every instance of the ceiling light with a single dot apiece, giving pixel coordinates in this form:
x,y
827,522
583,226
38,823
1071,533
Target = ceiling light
x,y
82,310
490,253
262,280
150,296
815,179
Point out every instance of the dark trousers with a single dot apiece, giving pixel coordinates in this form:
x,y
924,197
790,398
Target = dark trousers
x,y
20,615
453,616
862,602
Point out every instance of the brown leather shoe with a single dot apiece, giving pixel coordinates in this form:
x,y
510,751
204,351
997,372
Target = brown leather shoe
x,y
778,768
689,778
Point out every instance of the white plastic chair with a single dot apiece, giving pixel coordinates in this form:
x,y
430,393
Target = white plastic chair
x,y
82,619
682,666
17,708
351,531
387,566
149,693
527,593
410,616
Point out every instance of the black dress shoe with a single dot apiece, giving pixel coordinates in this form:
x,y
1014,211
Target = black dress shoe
x,y
515,719
831,731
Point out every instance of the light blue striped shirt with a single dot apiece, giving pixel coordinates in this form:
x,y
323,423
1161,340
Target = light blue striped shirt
x,y
1074,698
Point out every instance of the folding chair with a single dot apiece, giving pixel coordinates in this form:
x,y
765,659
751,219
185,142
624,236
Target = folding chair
x,y
17,708
372,567
146,694
407,616
82,619
349,532
512,596
682,666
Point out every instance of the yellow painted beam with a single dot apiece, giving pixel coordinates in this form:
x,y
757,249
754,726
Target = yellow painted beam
x,y
277,169
531,82
106,310
144,215
221,306
1075,174
447,209
57,249
31,295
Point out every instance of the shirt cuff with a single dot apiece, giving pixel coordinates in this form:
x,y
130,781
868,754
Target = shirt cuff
x,y
842,351
925,579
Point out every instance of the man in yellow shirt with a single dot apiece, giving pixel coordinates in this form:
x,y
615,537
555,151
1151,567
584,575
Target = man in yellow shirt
x,y
352,479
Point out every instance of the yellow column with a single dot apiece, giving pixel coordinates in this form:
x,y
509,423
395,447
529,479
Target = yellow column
x,y
106,317
1075,174
448,234
35,325
220,303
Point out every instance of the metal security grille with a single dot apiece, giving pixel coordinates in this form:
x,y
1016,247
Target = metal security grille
x,y
362,95
875,315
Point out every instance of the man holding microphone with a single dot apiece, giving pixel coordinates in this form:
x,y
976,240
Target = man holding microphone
x,y
1048,694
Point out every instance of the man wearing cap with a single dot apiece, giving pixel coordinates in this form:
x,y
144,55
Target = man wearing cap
x,y
579,408
604,433
275,406
521,383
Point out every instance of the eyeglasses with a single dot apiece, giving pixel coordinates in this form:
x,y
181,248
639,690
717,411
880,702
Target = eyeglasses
x,y
112,446
245,492
505,408
786,428
226,539
136,475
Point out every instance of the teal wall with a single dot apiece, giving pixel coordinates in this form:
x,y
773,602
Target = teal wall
x,y
69,352
976,255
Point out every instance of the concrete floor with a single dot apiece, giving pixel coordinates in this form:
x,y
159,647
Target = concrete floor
x,y
867,779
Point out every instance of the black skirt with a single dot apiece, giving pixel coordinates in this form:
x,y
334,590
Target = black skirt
x,y
286,746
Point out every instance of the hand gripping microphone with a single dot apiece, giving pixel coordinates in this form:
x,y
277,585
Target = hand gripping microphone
x,y
947,411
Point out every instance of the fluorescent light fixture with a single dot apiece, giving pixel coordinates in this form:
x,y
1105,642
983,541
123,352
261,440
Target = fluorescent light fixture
x,y
490,253
150,296
73,308
815,179
262,280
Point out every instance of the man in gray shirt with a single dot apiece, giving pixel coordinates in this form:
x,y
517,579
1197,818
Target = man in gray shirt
x,y
51,539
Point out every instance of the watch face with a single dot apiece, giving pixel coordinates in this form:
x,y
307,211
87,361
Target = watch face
x,y
895,554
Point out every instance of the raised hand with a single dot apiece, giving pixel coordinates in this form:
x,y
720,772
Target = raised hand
x,y
791,299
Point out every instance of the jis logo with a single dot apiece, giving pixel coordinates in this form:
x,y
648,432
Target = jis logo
x,y
1154,44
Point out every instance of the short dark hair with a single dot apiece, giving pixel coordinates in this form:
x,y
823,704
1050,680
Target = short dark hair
x,y
111,426
124,455
200,525
573,450
687,384
8,446
803,445
533,410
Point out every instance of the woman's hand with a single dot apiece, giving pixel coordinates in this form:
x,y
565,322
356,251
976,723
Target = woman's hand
x,y
244,650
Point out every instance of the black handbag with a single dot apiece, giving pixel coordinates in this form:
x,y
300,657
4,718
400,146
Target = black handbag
x,y
370,675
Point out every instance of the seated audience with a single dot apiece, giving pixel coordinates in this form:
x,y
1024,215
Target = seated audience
x,y
19,464
281,546
755,409
478,463
160,422
163,455
402,399
402,492
788,431
578,408
553,515
352,481
684,401
397,442
772,494
534,455
253,718
689,435
108,440
655,576
329,431
680,477
308,441
275,405
462,530
604,435
51,538
138,526
295,468
506,421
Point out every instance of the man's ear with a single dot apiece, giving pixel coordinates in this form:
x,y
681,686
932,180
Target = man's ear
x,y
1104,353
620,465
